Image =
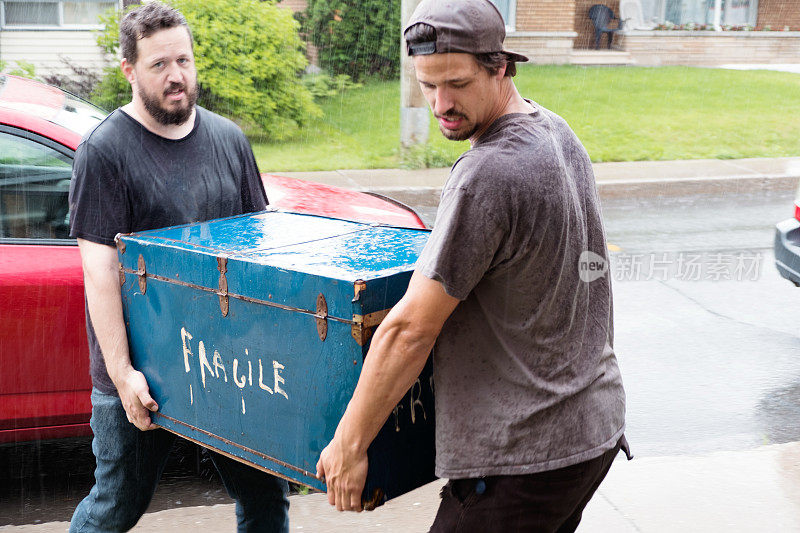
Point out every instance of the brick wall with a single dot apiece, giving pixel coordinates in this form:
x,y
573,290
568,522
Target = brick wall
x,y
546,50
778,13
545,15
583,25
653,48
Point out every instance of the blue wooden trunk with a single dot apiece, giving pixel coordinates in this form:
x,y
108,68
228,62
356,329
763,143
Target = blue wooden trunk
x,y
252,332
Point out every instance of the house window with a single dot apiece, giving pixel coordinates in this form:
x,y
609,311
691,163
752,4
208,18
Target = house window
x,y
732,12
507,8
53,13
740,12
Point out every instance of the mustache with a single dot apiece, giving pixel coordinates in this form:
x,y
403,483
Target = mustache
x,y
450,114
174,87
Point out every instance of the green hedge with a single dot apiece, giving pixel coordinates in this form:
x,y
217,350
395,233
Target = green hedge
x,y
355,37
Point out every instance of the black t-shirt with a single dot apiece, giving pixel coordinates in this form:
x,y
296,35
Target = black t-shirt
x,y
126,179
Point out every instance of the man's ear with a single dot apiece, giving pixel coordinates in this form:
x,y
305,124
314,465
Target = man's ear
x,y
501,72
127,70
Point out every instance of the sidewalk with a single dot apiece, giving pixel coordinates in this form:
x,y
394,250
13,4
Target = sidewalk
x,y
741,491
744,491
645,178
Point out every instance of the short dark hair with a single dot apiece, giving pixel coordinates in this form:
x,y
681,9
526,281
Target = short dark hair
x,y
492,62
145,21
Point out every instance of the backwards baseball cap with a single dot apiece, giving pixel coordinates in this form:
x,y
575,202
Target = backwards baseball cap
x,y
465,26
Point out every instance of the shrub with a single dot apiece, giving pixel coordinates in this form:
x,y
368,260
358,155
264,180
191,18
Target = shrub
x,y
249,58
80,81
323,86
22,68
113,89
425,156
355,37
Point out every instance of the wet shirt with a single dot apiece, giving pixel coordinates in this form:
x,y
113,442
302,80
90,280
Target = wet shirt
x,y
525,374
127,179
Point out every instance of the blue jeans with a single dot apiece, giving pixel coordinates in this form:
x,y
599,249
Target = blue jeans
x,y
130,463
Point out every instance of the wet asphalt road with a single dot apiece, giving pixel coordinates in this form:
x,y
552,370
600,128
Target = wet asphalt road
x,y
707,336
709,347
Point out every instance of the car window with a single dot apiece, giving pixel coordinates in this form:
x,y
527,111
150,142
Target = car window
x,y
34,186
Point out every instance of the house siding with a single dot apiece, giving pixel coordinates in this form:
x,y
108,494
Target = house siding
x,y
46,48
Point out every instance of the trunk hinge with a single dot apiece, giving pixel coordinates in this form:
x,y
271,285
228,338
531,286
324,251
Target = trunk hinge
x,y
141,272
322,317
121,249
222,266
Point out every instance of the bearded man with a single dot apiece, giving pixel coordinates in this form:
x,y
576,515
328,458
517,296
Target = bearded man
x,y
158,161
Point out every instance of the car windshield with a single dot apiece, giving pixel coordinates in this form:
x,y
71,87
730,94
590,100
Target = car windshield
x,y
49,103
78,115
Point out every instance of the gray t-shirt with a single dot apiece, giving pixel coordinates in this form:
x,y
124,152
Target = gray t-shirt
x,y
525,375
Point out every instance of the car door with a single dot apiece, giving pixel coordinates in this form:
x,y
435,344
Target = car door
x,y
44,381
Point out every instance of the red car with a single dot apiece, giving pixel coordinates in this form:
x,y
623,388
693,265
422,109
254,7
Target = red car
x,y
44,360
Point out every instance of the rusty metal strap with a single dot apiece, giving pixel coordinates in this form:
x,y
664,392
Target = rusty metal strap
x,y
371,319
218,292
239,446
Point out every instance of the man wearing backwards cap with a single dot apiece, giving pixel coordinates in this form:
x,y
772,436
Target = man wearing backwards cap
x,y
530,408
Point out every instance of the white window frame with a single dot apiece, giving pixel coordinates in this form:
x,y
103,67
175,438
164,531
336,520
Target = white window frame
x,y
718,12
511,23
60,25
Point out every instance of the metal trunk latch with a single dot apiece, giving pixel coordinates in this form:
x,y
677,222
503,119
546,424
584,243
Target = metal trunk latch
x,y
141,272
222,266
322,317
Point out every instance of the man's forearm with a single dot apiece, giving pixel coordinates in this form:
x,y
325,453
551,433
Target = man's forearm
x,y
399,349
101,282
105,308
396,357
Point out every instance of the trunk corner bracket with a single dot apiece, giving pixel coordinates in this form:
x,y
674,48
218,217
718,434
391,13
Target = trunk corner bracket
x,y
377,498
358,287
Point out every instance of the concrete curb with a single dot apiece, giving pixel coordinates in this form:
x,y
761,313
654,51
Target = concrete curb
x,y
690,186
644,188
628,179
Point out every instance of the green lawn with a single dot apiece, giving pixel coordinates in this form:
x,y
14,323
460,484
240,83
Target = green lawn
x,y
620,114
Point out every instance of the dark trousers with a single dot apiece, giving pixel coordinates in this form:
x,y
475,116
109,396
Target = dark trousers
x,y
129,465
551,501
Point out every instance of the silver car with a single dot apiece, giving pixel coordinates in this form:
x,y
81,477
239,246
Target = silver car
x,y
787,245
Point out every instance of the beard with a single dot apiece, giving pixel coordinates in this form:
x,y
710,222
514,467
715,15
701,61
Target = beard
x,y
460,134
168,117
